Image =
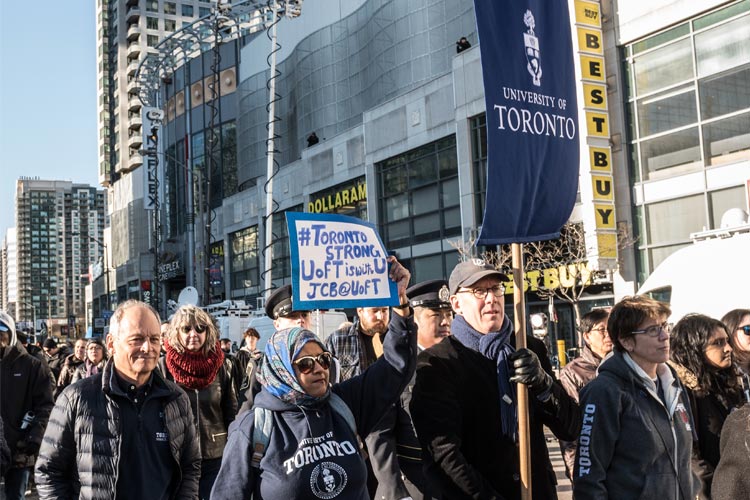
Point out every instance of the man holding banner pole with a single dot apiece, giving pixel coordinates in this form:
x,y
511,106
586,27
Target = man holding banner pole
x,y
533,149
464,403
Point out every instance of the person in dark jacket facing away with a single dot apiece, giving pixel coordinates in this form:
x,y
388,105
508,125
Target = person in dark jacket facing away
x,y
71,364
464,401
55,355
582,370
312,450
196,362
125,432
636,436
96,357
731,479
25,405
702,358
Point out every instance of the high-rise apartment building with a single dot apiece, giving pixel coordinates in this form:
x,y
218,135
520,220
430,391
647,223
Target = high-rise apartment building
x,y
9,281
59,228
127,31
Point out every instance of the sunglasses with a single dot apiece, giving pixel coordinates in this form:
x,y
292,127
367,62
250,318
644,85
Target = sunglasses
x,y
745,329
198,328
4,327
306,364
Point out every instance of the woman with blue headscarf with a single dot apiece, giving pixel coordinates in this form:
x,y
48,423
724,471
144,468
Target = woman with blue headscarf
x,y
301,438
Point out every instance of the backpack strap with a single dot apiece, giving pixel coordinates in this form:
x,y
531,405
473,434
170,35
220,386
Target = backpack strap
x,y
263,423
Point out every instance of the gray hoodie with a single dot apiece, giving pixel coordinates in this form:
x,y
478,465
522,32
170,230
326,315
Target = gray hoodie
x,y
632,444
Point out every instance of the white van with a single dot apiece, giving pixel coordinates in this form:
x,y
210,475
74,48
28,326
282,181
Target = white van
x,y
710,277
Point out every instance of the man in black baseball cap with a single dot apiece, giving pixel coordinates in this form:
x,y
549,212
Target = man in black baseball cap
x,y
432,311
464,403
280,309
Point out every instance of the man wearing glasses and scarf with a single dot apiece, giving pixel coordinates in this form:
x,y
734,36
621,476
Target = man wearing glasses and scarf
x,y
464,401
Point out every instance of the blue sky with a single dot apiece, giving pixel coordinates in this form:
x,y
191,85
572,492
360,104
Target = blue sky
x,y
47,95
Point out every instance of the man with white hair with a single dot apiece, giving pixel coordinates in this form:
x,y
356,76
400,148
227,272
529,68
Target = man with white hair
x,y
124,432
25,404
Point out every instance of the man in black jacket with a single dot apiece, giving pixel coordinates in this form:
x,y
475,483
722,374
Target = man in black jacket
x,y
25,404
124,432
464,401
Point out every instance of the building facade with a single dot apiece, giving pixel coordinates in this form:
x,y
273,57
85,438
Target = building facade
x,y
59,228
127,31
9,276
400,118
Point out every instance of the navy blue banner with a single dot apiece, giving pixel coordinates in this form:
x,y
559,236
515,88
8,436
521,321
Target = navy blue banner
x,y
532,119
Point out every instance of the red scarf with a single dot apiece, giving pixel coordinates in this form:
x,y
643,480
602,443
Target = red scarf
x,y
193,370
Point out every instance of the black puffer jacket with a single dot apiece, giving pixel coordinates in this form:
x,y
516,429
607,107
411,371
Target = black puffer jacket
x,y
24,386
79,457
69,368
214,408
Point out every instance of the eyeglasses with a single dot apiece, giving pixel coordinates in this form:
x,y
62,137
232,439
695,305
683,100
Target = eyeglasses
x,y
745,329
720,343
602,330
481,293
306,364
654,331
198,328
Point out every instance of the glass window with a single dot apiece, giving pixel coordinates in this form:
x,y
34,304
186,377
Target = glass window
x,y
721,201
479,160
666,111
170,25
244,261
661,38
657,255
663,67
187,10
152,40
170,8
673,220
727,140
203,11
671,154
152,23
725,93
723,47
416,188
720,15
152,5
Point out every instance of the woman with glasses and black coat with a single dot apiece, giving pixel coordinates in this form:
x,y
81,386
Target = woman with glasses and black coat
x,y
196,363
636,435
702,357
301,440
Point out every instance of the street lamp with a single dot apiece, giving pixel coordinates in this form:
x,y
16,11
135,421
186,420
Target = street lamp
x,y
106,266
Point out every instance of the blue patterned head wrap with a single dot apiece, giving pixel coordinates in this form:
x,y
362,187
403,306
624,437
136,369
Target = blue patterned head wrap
x,y
277,373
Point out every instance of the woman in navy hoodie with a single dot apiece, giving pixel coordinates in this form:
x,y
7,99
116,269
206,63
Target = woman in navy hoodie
x,y
309,449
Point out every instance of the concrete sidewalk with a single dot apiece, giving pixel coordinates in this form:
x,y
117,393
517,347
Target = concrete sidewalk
x,y
564,488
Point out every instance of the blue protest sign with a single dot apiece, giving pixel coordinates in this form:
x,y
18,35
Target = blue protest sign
x,y
337,261
532,119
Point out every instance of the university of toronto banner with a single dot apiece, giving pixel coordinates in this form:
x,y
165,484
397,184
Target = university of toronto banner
x,y
532,119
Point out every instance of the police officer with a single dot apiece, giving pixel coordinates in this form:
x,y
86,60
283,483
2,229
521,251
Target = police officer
x,y
280,309
432,311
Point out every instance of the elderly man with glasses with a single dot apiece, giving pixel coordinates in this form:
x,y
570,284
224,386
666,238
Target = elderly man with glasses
x,y
464,401
125,432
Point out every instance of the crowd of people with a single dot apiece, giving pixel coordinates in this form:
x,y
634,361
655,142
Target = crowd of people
x,y
415,401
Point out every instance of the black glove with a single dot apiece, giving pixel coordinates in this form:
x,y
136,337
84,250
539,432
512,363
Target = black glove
x,y
528,370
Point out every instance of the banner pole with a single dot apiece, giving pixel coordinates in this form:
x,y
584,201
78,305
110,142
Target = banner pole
x,y
519,313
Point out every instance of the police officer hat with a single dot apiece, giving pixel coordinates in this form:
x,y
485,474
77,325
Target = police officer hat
x,y
432,293
279,304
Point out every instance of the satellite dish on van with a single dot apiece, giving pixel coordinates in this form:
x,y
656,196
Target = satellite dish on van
x,y
188,296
